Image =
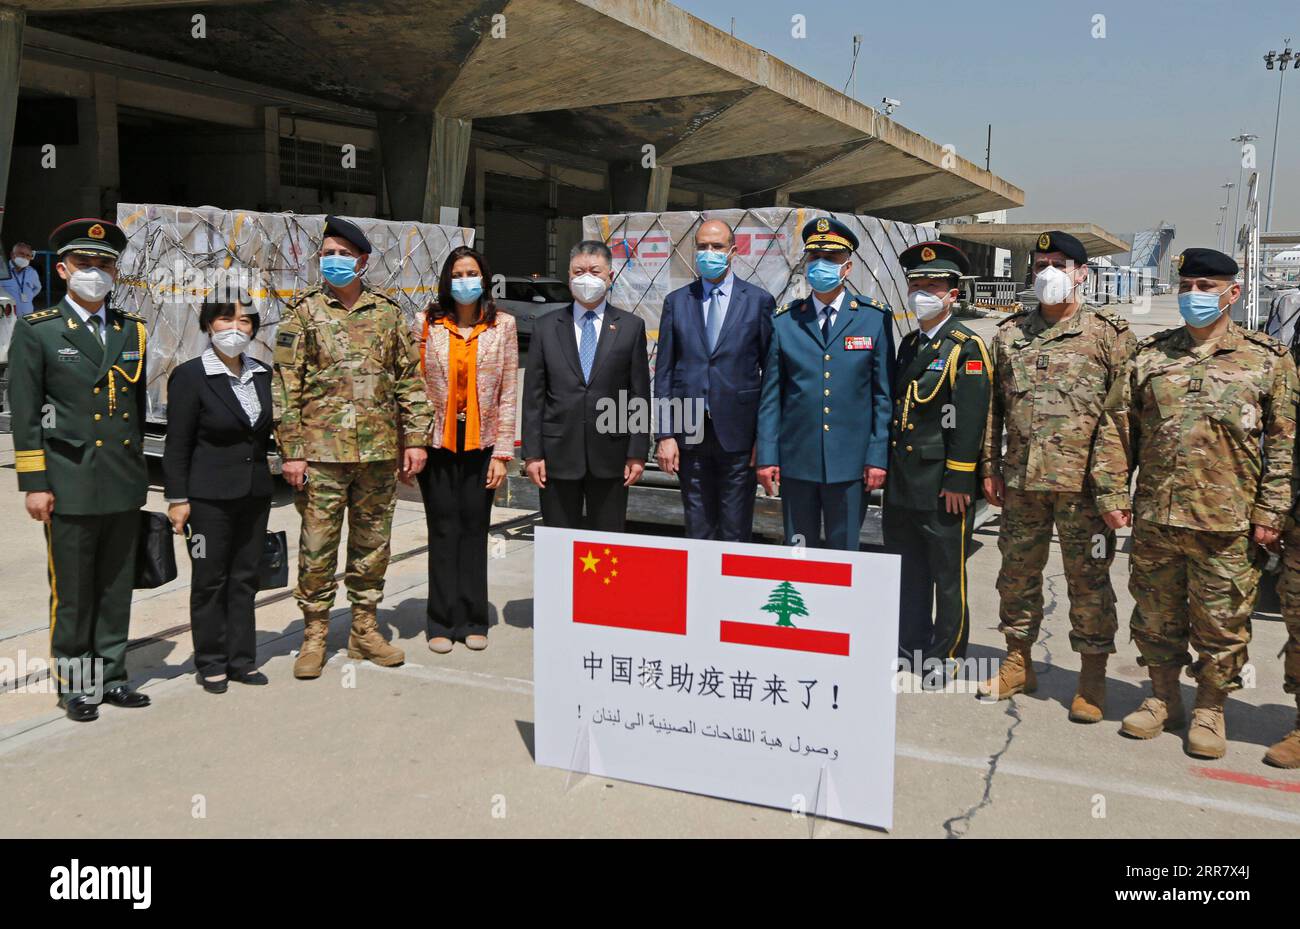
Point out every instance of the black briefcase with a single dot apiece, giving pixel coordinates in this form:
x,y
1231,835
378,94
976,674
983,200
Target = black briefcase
x,y
273,567
155,553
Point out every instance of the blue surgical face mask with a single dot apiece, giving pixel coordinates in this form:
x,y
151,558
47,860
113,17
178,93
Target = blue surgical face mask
x,y
339,270
1199,309
711,265
466,289
823,275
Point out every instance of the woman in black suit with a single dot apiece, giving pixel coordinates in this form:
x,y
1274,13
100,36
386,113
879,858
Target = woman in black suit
x,y
217,482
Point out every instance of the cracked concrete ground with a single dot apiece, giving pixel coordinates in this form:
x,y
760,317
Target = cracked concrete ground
x,y
442,746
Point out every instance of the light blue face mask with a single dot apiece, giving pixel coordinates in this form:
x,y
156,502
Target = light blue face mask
x,y
1199,309
823,275
339,270
466,289
711,265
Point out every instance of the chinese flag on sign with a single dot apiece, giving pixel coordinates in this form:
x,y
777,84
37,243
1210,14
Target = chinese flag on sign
x,y
629,587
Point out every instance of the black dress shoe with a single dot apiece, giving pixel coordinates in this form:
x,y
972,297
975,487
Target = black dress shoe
x,y
212,687
79,709
123,695
256,678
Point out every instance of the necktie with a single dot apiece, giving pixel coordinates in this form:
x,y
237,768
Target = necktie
x,y
587,345
713,318
96,329
826,323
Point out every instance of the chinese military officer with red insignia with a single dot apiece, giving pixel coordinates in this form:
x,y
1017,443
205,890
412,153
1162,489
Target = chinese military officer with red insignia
x,y
941,399
823,415
77,385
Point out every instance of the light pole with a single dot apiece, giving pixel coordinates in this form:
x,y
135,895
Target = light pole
x,y
1243,139
1283,58
1223,211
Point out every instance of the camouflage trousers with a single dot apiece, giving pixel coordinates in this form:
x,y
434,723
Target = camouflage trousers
x,y
1193,586
367,491
1288,589
1087,550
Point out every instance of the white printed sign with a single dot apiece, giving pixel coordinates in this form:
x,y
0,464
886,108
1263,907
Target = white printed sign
x,y
749,672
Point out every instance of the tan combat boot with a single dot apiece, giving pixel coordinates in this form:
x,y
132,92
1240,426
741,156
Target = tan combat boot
x,y
1286,754
1090,701
1206,737
311,655
1161,712
365,641
1016,675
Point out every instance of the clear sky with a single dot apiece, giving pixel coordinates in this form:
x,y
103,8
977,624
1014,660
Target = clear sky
x,y
1126,131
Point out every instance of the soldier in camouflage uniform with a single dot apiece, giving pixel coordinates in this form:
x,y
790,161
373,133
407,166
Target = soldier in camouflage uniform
x,y
1192,414
1286,753
1052,369
348,403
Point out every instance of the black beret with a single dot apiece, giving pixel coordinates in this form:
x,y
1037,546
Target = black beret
x,y
349,231
1205,262
1063,242
828,234
88,237
934,259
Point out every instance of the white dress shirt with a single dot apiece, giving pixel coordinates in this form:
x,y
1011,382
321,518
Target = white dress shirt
x,y
578,312
724,288
85,314
834,307
930,333
243,386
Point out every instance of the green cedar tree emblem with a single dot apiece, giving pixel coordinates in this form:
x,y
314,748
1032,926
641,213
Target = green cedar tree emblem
x,y
785,601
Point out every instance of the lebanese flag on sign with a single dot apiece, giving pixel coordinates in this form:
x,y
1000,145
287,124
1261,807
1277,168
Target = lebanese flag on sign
x,y
784,602
629,587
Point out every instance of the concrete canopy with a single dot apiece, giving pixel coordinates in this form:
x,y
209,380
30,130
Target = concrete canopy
x,y
1021,237
599,78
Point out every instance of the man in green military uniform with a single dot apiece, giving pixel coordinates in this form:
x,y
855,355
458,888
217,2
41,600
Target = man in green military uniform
x,y
1052,367
349,402
1206,414
941,399
77,384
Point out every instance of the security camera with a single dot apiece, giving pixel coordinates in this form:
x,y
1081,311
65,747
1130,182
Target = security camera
x,y
890,104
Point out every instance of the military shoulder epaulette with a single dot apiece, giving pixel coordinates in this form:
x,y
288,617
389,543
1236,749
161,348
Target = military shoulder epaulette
x,y
874,304
781,309
959,335
1266,340
134,317
1117,322
41,315
1159,336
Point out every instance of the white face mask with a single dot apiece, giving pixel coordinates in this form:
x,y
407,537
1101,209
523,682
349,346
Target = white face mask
x,y
925,305
1053,286
588,288
91,284
231,342
21,263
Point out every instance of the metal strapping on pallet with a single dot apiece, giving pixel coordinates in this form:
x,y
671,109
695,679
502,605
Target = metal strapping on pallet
x,y
175,255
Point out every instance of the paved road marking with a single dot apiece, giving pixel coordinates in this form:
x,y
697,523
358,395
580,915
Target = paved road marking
x,y
1251,780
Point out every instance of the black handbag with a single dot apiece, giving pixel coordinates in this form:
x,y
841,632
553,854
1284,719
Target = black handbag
x,y
155,553
273,566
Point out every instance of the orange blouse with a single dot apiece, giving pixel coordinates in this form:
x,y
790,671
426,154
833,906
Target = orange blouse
x,y
462,359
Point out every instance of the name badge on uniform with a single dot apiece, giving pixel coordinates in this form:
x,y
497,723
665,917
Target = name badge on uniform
x,y
1194,386
69,354
936,365
857,343
1043,361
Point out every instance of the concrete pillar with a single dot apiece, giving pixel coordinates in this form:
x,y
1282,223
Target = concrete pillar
x,y
97,130
270,159
404,147
1020,265
661,180
11,56
445,182
629,187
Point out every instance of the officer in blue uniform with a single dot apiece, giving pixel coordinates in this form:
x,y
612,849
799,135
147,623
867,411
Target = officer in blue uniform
x,y
824,412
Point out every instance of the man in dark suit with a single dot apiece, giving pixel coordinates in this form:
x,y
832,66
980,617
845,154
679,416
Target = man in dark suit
x,y
940,405
713,340
823,419
586,415
77,382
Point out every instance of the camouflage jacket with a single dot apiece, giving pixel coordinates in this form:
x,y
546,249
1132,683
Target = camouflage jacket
x,y
347,382
1210,429
1049,384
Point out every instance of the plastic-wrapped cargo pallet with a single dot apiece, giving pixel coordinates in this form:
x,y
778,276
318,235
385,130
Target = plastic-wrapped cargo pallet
x,y
654,254
177,255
